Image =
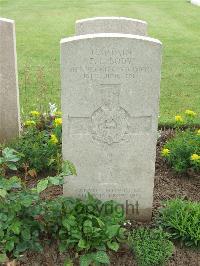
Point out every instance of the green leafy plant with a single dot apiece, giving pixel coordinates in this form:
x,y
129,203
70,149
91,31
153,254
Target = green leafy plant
x,y
21,208
183,151
68,262
182,219
19,228
39,153
188,118
98,257
150,246
40,142
21,212
8,159
89,226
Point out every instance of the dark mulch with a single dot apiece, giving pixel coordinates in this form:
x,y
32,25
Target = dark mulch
x,y
168,185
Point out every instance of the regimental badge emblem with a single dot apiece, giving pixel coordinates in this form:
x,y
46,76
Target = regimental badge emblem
x,y
110,122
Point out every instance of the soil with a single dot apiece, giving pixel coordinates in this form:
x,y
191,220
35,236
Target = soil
x,y
168,185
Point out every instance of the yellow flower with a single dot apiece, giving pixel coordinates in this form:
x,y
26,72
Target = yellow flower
x,y
54,139
165,152
195,157
58,121
198,132
30,123
34,113
178,118
190,113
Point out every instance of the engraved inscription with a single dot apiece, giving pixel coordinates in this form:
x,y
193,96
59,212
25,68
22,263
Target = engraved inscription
x,y
111,64
112,193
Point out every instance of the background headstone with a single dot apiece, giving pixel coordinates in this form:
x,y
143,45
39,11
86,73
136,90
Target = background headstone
x,y
111,25
110,98
9,94
195,2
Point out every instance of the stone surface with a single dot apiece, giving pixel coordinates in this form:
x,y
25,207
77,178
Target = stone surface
x,y
111,25
110,103
195,2
9,94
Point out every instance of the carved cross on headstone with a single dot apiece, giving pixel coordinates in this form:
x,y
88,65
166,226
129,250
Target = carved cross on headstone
x,y
110,123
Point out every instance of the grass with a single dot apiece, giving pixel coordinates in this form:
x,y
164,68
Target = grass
x,y
40,24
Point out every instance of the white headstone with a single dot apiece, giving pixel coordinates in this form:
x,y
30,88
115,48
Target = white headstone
x,y
110,103
111,25
195,2
9,94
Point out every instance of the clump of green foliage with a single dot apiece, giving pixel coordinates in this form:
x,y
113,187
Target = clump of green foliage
x,y
182,219
150,246
189,118
183,151
22,211
21,207
89,226
8,159
40,142
39,153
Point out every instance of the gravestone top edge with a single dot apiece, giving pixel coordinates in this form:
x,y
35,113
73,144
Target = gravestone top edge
x,y
7,20
110,18
110,35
